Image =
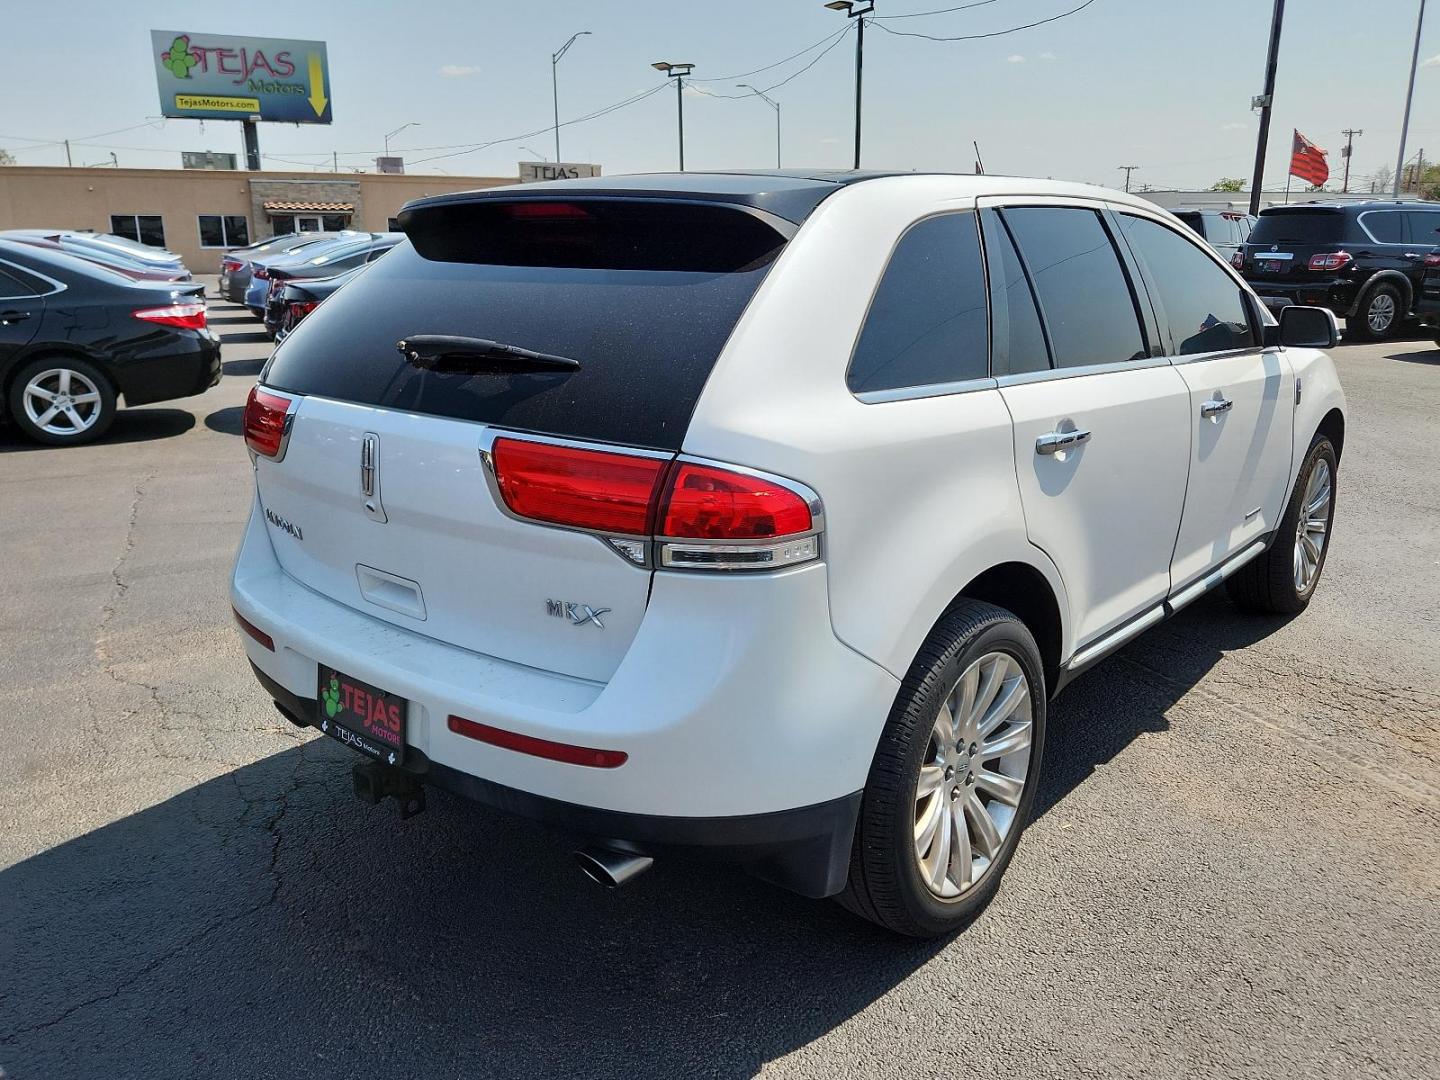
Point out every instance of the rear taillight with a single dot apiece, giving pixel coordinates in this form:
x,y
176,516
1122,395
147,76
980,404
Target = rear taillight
x,y
1334,260
1238,260
261,273
267,422
658,511
230,264
184,316
1433,259
298,309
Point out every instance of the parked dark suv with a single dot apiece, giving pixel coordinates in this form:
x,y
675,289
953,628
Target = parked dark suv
x,y
1363,260
1224,230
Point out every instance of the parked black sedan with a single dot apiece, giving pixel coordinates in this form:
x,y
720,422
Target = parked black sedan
x,y
76,337
298,298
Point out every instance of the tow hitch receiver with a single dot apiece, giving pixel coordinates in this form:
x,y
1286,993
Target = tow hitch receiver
x,y
375,781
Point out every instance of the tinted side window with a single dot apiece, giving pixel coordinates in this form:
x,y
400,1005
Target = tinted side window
x,y
927,322
1017,343
1424,227
1387,226
1083,291
1205,308
13,286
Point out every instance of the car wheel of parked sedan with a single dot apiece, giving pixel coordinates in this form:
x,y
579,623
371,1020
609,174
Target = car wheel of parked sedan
x,y
61,400
1378,314
953,778
1283,580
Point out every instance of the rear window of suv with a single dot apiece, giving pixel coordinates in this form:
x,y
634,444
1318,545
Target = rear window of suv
x,y
1299,227
643,293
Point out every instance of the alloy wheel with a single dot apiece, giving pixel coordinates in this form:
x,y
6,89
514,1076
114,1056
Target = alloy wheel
x,y
1312,530
62,401
1380,313
973,775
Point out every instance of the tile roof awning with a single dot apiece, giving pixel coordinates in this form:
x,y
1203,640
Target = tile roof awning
x,y
291,207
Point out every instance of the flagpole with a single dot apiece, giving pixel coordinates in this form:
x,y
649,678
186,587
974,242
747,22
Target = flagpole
x,y
1287,189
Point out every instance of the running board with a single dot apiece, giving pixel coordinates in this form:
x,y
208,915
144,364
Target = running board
x,y
1112,640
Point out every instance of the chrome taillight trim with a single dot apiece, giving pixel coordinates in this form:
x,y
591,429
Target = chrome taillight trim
x,y
289,422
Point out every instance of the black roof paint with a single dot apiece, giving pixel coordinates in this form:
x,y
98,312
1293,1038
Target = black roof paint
x,y
789,194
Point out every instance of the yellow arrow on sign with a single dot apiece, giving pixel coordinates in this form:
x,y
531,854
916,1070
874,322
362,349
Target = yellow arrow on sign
x,y
317,85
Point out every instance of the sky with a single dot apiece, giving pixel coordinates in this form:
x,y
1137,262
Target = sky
x,y
1161,84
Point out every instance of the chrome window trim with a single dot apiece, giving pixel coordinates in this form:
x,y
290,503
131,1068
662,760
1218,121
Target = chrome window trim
x,y
1027,377
930,390
1360,220
59,286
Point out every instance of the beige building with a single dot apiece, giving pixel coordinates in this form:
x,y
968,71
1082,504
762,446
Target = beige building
x,y
199,213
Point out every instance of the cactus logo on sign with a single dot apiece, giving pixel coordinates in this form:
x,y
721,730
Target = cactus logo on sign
x,y
217,77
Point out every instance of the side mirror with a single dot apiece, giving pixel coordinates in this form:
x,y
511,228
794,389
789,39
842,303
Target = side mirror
x,y
1304,328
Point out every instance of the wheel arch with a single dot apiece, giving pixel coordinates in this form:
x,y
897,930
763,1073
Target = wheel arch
x,y
1024,590
1385,277
1332,426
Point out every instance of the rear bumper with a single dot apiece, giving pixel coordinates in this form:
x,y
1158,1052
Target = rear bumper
x,y
749,728
188,366
1337,296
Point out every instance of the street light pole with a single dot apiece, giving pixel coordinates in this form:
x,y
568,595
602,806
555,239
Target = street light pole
x,y
391,135
1409,97
677,71
774,105
555,83
1266,100
852,12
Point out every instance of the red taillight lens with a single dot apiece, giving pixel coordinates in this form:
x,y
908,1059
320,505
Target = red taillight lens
x,y
1433,259
1238,260
264,423
708,503
253,630
261,273
1334,260
185,316
544,748
584,489
300,308
548,210
230,264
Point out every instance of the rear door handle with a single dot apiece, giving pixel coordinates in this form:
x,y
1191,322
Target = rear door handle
x,y
1056,441
8,317
1215,406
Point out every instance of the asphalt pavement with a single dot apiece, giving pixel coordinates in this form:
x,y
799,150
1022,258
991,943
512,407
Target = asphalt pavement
x,y
1234,871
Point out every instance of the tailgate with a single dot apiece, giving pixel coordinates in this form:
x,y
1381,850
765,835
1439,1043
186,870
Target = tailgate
x,y
433,551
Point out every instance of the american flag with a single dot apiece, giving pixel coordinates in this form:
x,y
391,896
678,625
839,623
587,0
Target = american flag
x,y
1307,161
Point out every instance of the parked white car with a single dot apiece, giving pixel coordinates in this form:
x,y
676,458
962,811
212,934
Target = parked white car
x,y
760,516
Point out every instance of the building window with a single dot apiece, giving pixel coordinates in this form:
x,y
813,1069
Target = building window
x,y
335,222
223,231
142,228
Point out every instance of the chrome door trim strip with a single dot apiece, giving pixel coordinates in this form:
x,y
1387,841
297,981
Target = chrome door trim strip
x,y
1050,374
1113,639
914,393
1208,580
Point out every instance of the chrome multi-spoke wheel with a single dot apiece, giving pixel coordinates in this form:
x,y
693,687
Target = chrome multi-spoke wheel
x,y
62,401
1380,312
1312,527
973,774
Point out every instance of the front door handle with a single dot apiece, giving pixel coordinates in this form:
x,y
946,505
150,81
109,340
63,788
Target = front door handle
x,y
1056,441
8,317
1215,406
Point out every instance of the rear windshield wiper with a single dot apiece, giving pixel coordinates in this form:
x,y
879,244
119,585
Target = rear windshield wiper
x,y
446,352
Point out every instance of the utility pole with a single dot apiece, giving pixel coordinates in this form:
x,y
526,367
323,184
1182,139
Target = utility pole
x,y
677,71
774,105
1349,134
555,83
68,160
852,12
1265,101
1409,96
1127,170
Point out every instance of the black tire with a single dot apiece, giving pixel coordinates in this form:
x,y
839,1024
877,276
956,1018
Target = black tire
x,y
885,885
1359,327
1267,584
95,427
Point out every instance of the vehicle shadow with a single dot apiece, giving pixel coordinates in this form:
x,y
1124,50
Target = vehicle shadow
x,y
1430,358
231,320
266,923
228,421
131,426
242,367
256,337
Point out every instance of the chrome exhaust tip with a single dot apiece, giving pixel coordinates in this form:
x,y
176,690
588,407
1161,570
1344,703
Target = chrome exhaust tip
x,y
611,868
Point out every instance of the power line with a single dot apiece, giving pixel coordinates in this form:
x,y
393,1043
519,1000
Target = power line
x,y
991,34
777,63
937,11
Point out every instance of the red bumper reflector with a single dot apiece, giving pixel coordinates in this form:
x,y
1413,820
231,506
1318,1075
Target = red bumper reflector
x,y
543,748
253,630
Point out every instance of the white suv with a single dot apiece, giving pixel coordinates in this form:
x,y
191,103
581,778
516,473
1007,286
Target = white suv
x,y
758,516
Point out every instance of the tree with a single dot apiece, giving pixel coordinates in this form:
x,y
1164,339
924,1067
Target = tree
x,y
1383,178
6,158
1228,183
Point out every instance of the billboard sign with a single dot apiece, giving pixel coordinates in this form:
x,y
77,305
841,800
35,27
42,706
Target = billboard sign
x,y
217,77
531,171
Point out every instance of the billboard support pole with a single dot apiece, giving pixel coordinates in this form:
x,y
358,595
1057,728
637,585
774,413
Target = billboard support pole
x,y
252,144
